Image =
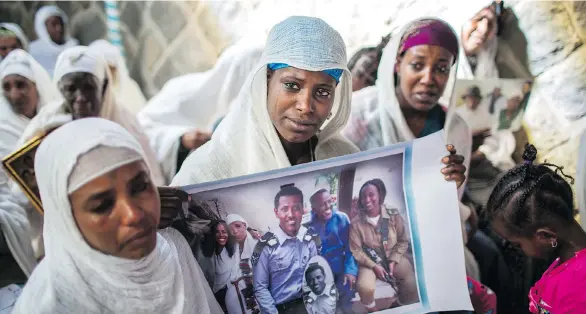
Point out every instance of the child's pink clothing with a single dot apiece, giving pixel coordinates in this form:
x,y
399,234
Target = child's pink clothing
x,y
562,288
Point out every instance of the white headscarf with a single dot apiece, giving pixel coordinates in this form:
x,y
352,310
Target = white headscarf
x,y
75,278
195,101
246,141
18,32
13,218
44,50
249,243
125,87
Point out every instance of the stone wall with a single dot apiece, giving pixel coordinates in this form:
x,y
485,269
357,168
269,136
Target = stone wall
x,y
164,39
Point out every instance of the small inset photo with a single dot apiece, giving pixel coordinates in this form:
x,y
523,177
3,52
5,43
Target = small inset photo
x,y
319,290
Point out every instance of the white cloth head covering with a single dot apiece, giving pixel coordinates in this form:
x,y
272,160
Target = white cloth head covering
x,y
378,107
195,101
75,278
124,86
235,217
13,218
18,32
44,50
246,141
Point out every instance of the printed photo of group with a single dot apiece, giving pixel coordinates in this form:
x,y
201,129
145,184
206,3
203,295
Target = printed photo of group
x,y
492,105
336,240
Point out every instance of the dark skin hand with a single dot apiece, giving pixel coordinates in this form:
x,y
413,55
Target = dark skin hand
x,y
172,199
454,170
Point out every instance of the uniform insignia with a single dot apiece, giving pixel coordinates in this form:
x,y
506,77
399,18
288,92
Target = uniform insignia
x,y
267,239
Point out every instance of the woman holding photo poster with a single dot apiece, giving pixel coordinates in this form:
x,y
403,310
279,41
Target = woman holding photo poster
x,y
416,68
290,111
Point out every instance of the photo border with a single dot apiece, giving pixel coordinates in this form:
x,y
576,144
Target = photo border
x,y
406,148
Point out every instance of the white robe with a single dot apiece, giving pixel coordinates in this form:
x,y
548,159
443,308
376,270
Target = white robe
x,y
44,50
75,278
125,88
246,141
14,221
196,101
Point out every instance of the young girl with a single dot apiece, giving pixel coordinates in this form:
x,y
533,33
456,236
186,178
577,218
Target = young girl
x,y
532,207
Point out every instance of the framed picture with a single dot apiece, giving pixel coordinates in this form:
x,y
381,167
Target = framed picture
x,y
20,165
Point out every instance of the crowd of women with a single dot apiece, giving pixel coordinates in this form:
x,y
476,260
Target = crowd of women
x,y
101,245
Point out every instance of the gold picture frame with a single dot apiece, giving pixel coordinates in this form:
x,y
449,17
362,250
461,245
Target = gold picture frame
x,y
20,165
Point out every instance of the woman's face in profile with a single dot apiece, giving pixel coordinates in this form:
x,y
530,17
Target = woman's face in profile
x,y
221,235
423,72
370,200
118,212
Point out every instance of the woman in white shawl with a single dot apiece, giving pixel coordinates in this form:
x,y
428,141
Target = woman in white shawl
x,y
26,88
125,88
11,37
289,111
179,118
51,26
77,68
104,254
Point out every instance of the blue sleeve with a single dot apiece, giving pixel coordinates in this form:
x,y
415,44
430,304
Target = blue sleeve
x,y
261,277
350,265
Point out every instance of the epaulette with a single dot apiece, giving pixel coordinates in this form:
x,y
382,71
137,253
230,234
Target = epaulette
x,y
307,299
268,239
333,291
312,235
392,211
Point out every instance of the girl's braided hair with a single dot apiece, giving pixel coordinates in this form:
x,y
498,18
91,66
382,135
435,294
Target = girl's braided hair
x,y
530,195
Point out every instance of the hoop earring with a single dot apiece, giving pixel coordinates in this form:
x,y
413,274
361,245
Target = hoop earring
x,y
554,244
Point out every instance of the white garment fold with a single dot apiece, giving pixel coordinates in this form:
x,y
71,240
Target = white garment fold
x,y
55,114
246,141
125,88
15,28
14,221
75,278
196,101
44,50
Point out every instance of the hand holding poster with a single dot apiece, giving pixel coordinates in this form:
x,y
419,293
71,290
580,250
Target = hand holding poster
x,y
378,230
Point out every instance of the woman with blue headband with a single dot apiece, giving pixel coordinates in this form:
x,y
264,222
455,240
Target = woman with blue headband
x,y
290,110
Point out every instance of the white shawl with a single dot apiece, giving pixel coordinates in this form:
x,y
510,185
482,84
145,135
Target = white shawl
x,y
246,141
75,278
14,222
125,88
18,32
44,50
195,101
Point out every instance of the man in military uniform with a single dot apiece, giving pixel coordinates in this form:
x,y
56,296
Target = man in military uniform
x,y
281,256
322,298
333,228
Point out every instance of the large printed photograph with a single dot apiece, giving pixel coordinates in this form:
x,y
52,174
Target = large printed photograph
x,y
337,240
